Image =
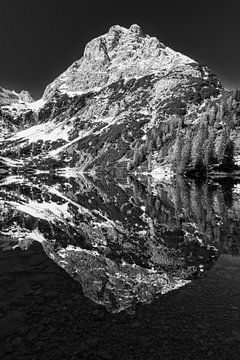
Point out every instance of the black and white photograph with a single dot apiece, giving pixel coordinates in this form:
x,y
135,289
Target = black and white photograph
x,y
119,180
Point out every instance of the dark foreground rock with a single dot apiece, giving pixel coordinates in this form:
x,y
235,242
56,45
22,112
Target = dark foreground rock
x,y
44,315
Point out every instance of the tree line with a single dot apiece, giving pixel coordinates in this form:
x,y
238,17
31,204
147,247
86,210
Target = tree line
x,y
195,143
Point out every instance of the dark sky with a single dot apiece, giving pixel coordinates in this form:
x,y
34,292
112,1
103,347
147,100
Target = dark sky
x,y
39,39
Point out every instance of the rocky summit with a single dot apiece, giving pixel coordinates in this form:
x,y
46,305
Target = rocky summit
x,y
129,103
121,54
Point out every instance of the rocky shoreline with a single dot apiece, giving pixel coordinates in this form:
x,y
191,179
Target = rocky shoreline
x,y
44,315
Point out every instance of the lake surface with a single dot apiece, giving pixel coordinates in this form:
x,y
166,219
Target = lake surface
x,y
126,240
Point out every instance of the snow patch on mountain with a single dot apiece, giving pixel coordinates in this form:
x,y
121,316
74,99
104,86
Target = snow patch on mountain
x,y
45,131
82,134
36,105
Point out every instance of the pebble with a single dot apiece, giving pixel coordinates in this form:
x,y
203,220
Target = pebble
x,y
8,348
236,335
10,323
99,314
95,312
39,345
104,355
52,330
201,327
31,336
37,260
136,324
17,341
51,294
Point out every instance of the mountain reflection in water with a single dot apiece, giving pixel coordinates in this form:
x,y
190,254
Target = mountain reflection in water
x,y
124,240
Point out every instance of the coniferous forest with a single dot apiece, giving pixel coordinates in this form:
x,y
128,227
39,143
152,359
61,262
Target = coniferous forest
x,y
196,144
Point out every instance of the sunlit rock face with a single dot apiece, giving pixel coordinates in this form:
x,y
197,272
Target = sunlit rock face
x,y
106,104
122,54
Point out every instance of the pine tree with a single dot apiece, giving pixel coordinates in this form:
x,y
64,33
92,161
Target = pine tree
x,y
179,127
236,95
135,154
212,115
149,161
186,153
219,114
18,150
129,165
228,159
178,150
142,153
150,146
197,148
208,149
224,104
222,146
229,102
158,142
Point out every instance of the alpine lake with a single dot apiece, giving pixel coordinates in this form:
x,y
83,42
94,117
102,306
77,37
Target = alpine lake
x,y
126,240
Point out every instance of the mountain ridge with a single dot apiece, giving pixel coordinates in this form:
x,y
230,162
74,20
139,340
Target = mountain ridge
x,y
123,104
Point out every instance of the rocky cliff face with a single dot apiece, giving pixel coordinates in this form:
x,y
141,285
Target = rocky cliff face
x,y
8,97
102,111
12,105
121,54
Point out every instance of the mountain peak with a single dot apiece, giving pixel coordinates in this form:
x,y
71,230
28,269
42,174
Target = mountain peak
x,y
26,96
134,28
121,53
8,97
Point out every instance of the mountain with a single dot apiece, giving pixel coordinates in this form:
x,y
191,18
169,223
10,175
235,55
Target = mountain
x,y
8,97
130,102
12,106
122,54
